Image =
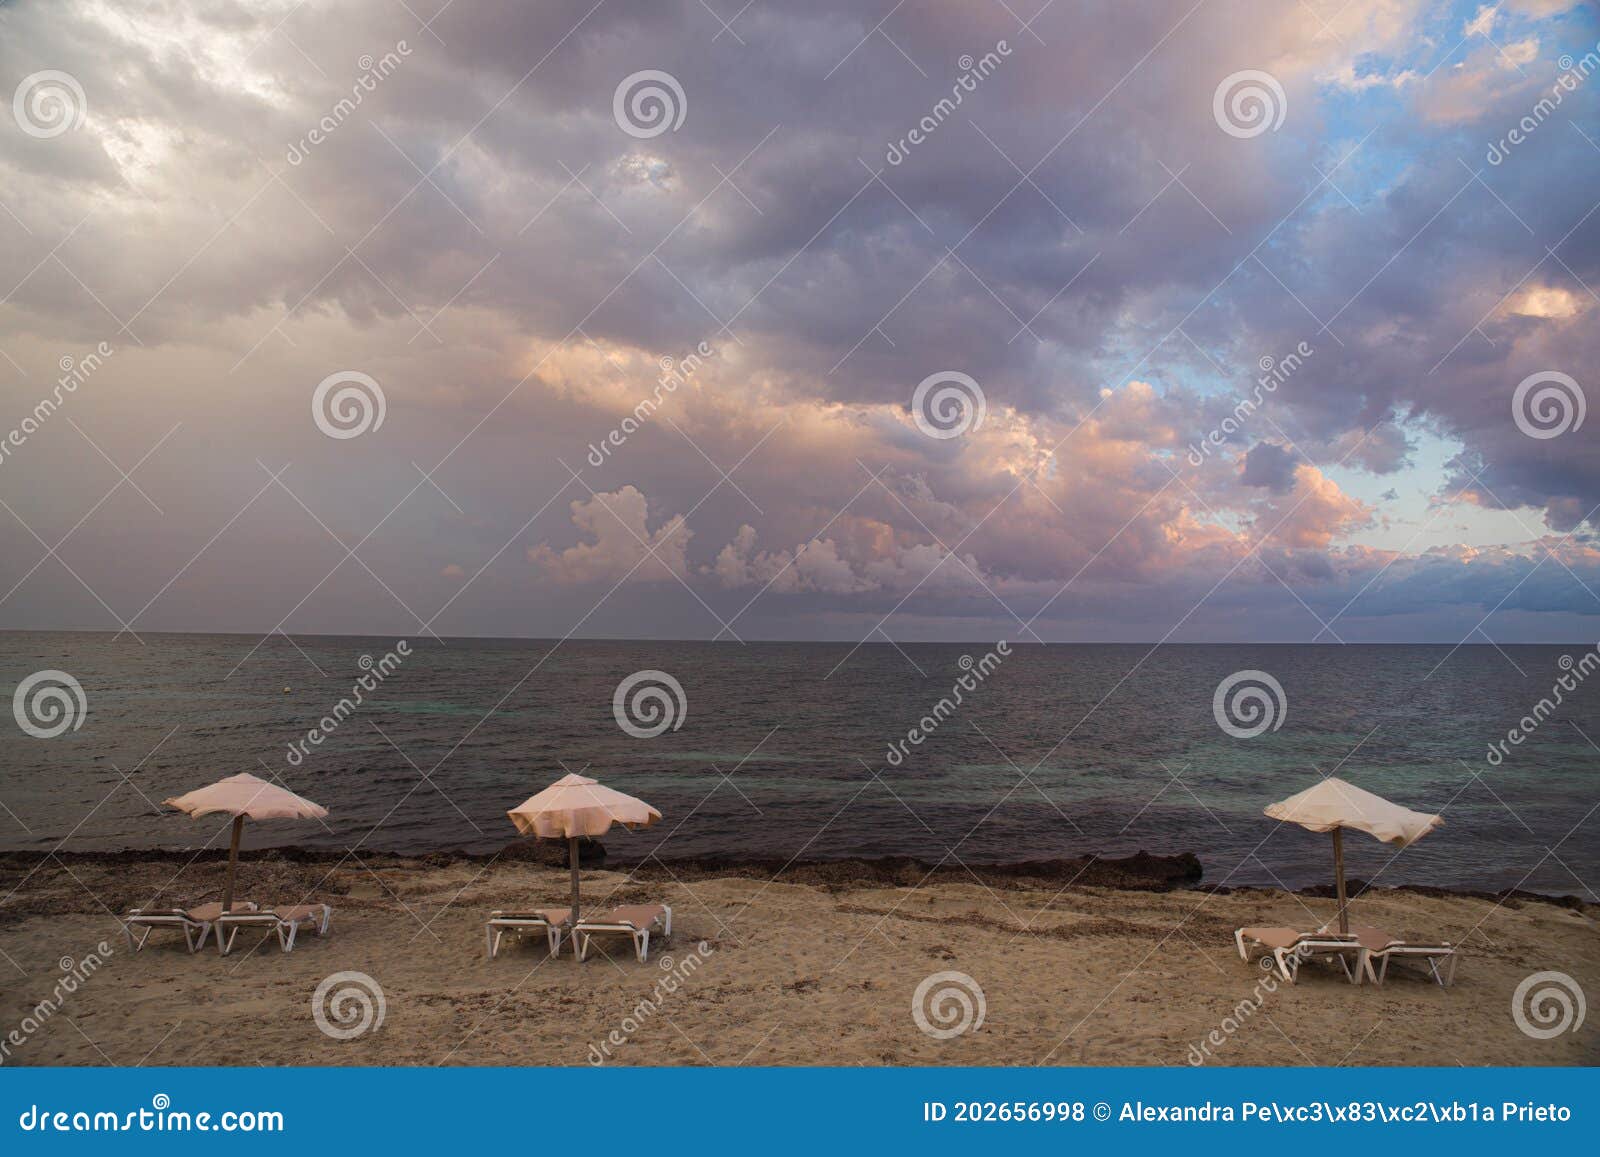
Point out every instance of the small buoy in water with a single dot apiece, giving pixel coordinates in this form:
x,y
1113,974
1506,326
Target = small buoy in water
x,y
286,690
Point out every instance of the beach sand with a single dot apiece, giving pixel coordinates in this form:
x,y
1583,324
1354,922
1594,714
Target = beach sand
x,y
795,972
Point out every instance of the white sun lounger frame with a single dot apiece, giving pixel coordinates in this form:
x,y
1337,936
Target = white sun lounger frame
x,y
151,919
1430,954
287,928
1308,945
583,930
500,924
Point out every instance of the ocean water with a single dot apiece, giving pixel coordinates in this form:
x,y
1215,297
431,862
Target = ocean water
x,y
783,750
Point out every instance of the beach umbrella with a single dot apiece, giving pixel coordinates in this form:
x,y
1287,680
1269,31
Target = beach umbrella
x,y
245,796
574,806
1333,805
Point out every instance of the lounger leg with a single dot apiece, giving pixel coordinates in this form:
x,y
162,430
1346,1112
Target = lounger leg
x,y
1383,971
667,926
552,938
1344,963
205,931
136,945
582,939
294,929
1450,971
1282,958
1238,941
188,938
643,945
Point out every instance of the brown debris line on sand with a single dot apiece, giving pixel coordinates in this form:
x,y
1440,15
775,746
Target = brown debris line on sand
x,y
1143,871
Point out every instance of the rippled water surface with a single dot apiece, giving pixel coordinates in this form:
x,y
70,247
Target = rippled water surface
x,y
783,750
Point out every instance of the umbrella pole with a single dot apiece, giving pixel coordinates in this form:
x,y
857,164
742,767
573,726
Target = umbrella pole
x,y
1338,872
233,862
572,845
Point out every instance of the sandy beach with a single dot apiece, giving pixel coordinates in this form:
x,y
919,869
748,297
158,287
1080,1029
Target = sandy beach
x,y
818,967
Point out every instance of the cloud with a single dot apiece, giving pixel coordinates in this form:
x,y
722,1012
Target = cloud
x,y
621,546
516,304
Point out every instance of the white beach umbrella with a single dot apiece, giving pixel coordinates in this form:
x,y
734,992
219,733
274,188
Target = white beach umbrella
x,y
1333,805
245,795
574,806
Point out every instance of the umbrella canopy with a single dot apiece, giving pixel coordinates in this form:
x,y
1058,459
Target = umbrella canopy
x,y
241,796
1333,805
574,806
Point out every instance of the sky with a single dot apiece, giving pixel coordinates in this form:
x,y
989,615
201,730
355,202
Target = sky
x,y
1047,321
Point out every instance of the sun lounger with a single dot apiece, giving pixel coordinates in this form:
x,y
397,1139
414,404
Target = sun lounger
x,y
1382,948
286,922
550,921
635,920
199,920
1290,948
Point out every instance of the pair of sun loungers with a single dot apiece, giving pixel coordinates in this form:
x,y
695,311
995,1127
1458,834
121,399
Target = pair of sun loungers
x,y
1362,952
199,923
637,921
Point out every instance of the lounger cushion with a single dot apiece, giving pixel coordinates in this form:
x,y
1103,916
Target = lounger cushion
x,y
548,915
636,916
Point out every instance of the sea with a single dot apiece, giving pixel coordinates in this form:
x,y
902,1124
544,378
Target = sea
x,y
949,753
